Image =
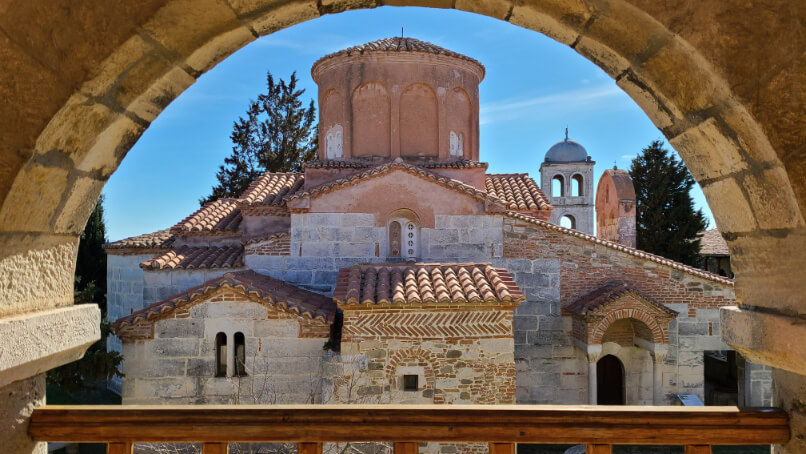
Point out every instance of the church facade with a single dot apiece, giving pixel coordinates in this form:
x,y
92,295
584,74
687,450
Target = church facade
x,y
395,269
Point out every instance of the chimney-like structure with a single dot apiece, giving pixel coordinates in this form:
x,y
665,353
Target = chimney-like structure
x,y
615,207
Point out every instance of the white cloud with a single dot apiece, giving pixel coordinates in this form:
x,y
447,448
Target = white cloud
x,y
603,97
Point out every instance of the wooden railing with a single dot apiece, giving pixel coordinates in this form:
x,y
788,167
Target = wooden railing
x,y
599,427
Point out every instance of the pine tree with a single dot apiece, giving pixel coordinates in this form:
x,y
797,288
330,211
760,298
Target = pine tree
x,y
277,135
667,224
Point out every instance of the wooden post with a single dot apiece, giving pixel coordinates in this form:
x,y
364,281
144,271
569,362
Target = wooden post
x,y
215,448
502,448
119,448
592,448
309,448
698,449
406,447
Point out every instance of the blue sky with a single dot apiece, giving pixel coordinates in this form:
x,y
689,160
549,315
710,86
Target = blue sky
x,y
533,89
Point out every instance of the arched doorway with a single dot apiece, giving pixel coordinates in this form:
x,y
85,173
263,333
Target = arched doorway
x,y
609,381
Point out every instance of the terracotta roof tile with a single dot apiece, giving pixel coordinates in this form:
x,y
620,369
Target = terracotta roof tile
x,y
280,294
397,44
262,238
610,291
634,252
223,215
332,163
399,164
271,188
519,191
712,243
385,284
161,239
363,164
201,257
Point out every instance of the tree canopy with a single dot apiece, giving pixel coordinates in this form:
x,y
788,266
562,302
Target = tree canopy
x,y
278,134
667,223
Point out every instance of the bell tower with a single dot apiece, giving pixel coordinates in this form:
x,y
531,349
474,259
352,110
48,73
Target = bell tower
x,y
566,177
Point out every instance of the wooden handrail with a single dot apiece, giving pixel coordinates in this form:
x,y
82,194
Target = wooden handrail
x,y
604,425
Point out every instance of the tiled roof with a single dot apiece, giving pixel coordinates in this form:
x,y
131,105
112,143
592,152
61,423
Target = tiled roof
x,y
282,295
399,164
161,239
634,252
197,257
332,163
222,215
385,284
262,238
271,188
608,292
457,164
398,44
712,243
519,191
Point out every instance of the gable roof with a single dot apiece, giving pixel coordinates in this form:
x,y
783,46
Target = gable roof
x,y
399,164
610,291
712,243
270,188
435,283
519,190
221,215
279,294
161,239
197,257
619,247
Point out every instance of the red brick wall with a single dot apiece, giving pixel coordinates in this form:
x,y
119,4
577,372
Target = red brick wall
x,y
585,266
280,245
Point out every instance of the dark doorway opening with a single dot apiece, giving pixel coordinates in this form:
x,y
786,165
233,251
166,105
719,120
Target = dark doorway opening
x,y
721,378
609,381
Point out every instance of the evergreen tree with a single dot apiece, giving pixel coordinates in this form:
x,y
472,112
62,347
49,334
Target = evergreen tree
x,y
667,224
278,134
90,287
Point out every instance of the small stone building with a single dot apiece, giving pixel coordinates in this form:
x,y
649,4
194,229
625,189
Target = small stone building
x,y
396,269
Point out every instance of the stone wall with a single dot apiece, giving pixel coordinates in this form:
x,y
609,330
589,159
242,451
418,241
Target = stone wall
x,y
124,295
322,243
177,366
162,284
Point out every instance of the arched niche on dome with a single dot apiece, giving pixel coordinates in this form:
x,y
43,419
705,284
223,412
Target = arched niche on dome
x,y
459,121
419,124
371,120
332,123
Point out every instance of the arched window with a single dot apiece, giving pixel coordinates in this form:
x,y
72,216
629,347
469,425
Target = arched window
x,y
220,355
576,186
404,234
568,222
558,186
240,354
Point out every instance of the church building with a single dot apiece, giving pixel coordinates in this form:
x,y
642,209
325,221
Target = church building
x,y
396,269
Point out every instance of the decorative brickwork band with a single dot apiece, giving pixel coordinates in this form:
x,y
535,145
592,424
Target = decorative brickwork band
x,y
428,325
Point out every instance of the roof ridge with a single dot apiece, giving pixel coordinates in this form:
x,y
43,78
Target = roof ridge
x,y
402,165
239,280
620,247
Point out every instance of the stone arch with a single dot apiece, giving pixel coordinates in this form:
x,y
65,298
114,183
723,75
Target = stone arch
x,y
459,119
659,336
75,107
568,221
371,120
558,185
419,121
577,182
423,357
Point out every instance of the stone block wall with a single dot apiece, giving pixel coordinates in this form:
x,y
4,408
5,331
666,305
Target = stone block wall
x,y
124,295
380,346
322,243
159,285
177,366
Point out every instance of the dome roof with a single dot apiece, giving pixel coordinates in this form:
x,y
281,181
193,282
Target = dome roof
x,y
567,151
398,44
